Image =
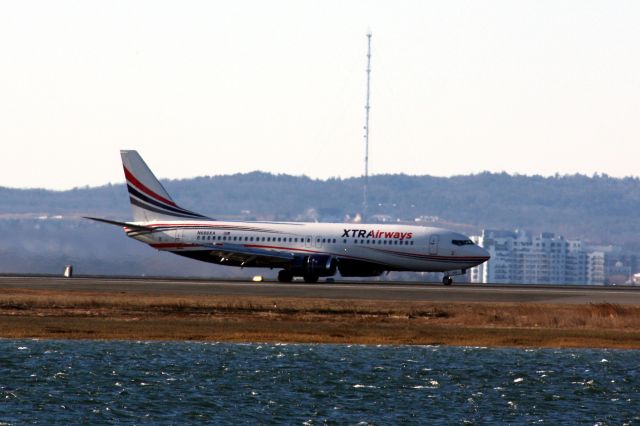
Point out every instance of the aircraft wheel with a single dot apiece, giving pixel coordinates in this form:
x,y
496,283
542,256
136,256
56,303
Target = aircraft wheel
x,y
310,279
285,276
447,280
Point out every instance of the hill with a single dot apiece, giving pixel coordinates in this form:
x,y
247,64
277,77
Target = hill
x,y
597,209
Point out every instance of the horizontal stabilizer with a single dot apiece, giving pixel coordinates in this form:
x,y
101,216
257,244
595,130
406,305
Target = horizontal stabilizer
x,y
131,226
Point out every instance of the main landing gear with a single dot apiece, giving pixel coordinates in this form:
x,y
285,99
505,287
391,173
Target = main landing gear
x,y
447,280
310,279
285,276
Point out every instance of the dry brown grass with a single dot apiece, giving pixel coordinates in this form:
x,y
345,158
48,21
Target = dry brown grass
x,y
49,314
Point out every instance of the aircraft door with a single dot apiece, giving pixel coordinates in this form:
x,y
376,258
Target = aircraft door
x,y
177,235
433,244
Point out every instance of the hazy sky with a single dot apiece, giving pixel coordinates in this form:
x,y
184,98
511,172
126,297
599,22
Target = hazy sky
x,y
206,88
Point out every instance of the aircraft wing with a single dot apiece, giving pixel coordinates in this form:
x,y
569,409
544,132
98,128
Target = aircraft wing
x,y
247,256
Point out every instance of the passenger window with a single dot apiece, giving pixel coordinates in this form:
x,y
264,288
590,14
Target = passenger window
x,y
344,241
334,241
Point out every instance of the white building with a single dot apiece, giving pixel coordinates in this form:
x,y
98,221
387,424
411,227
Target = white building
x,y
596,268
518,257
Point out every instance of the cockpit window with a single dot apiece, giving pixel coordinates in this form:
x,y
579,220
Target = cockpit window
x,y
462,242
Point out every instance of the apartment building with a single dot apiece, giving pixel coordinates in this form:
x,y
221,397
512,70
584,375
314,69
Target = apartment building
x,y
519,257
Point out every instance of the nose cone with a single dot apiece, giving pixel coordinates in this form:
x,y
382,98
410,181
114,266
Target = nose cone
x,y
485,254
481,254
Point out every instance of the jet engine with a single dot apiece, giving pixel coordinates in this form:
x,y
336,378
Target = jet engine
x,y
318,265
355,268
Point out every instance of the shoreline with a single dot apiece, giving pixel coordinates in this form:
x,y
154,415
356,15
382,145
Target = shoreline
x,y
47,314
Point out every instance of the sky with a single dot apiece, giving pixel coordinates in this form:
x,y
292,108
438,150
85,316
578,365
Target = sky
x,y
212,87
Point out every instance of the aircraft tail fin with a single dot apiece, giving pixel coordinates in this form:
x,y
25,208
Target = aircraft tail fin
x,y
149,200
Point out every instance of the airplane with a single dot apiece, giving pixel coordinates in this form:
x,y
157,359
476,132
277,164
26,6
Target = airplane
x,y
307,250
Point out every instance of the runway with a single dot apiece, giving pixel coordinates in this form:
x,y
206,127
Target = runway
x,y
399,291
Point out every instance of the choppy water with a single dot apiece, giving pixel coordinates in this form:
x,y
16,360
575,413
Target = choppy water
x,y
70,382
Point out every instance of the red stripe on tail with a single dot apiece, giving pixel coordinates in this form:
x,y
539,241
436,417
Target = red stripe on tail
x,y
131,178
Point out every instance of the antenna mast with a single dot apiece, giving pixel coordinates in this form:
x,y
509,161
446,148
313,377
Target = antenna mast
x,y
365,203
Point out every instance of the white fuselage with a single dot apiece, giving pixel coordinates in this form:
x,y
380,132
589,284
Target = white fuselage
x,y
393,247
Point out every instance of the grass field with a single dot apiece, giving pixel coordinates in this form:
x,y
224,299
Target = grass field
x,y
84,315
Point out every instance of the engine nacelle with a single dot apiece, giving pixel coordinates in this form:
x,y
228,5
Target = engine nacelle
x,y
319,265
355,268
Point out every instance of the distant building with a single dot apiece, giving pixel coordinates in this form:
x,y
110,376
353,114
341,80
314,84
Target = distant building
x,y
521,258
618,265
596,268
618,273
427,219
382,218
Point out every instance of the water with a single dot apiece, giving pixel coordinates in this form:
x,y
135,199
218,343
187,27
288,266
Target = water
x,y
93,382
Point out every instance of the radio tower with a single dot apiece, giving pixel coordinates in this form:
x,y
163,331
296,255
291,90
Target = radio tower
x,y
365,204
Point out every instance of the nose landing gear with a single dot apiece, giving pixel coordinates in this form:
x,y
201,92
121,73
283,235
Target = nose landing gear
x,y
448,280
